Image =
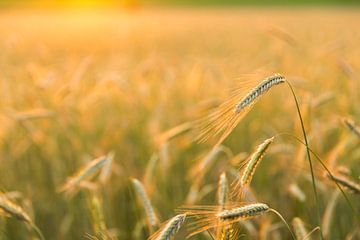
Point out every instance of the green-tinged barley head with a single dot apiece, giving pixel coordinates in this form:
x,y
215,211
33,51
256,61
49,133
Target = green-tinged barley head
x,y
97,214
225,118
170,228
144,199
258,91
247,211
84,173
89,169
209,217
253,162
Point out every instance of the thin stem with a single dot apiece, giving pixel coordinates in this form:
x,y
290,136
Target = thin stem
x,y
282,219
37,230
331,176
310,233
308,156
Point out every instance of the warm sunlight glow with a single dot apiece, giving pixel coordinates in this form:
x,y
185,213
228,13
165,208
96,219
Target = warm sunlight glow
x,y
73,3
178,119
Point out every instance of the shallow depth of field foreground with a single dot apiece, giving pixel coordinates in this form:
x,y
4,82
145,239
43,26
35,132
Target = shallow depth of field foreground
x,y
175,123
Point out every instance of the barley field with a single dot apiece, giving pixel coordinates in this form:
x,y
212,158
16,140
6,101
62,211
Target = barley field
x,y
167,123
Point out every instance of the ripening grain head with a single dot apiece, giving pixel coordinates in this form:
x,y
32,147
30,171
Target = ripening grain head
x,y
212,217
10,209
144,199
170,228
254,161
86,172
259,90
244,212
226,117
250,166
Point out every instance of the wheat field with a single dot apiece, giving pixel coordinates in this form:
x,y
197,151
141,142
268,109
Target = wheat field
x,y
99,113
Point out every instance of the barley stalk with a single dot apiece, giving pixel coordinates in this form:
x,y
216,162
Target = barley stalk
x,y
308,156
329,212
353,211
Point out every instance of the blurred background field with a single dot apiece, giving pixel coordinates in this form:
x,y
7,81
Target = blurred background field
x,y
78,84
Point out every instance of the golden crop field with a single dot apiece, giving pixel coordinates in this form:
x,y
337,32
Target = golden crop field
x,y
101,113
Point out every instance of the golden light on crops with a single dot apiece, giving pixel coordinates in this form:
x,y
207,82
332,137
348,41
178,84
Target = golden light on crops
x,y
163,123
